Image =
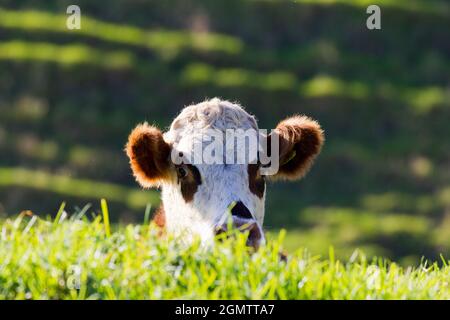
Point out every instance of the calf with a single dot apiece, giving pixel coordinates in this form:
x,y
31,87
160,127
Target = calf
x,y
198,197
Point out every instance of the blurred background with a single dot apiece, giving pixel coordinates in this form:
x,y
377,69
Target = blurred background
x,y
69,98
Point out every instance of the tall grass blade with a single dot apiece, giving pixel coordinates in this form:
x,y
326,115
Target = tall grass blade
x,y
59,214
105,213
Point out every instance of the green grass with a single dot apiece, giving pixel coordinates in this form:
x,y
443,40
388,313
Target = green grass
x,y
421,99
45,259
165,42
74,54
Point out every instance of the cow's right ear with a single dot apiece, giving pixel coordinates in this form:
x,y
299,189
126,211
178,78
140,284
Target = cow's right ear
x,y
149,155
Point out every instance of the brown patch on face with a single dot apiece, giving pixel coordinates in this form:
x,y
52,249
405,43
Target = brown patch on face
x,y
256,182
148,154
189,179
301,140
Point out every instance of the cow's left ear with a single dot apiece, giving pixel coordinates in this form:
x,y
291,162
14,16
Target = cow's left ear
x,y
300,141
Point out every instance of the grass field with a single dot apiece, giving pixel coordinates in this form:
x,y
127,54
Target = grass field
x,y
81,258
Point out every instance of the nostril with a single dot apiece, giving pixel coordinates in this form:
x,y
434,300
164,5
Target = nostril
x,y
254,237
241,211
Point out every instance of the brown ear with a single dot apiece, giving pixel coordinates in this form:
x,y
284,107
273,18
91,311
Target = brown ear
x,y
149,155
301,140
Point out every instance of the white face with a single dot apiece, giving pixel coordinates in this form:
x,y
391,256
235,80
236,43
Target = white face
x,y
199,197
205,208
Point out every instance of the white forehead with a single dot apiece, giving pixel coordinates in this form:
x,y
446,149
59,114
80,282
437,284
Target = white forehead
x,y
229,182
211,114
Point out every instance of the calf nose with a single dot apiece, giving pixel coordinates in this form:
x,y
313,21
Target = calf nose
x,y
243,220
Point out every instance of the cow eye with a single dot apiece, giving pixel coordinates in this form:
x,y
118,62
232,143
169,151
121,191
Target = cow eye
x,y
182,172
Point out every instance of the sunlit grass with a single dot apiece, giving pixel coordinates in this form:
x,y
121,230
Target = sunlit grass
x,y
201,74
424,100
386,233
72,54
329,86
421,99
403,202
165,42
39,258
367,223
320,238
74,187
169,43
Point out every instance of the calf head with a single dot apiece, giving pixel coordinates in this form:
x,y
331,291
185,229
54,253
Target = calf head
x,y
199,197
